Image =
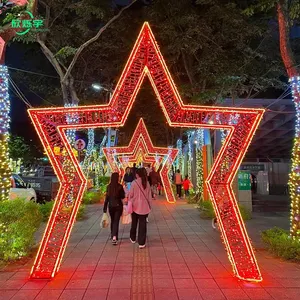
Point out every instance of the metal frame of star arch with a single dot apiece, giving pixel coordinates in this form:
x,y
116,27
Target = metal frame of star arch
x,y
141,140
146,59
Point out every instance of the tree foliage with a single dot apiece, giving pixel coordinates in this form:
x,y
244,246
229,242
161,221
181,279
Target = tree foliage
x,y
20,149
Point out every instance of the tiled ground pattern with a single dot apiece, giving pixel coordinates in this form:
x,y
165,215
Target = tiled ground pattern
x,y
184,259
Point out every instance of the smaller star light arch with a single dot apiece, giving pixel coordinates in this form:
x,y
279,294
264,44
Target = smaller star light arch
x,y
141,140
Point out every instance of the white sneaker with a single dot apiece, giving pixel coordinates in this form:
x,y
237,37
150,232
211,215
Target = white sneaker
x,y
133,242
142,246
147,220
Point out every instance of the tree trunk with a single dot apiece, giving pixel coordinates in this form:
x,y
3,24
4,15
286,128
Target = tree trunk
x,y
293,73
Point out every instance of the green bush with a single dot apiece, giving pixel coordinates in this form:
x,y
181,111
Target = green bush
x,y
19,220
103,182
279,243
91,197
46,209
245,212
192,198
207,211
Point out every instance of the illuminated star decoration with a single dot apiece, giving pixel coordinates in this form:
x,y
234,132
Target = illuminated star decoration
x,y
139,157
146,59
139,138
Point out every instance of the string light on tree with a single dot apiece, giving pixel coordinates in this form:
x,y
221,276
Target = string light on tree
x,y
89,150
294,182
5,172
199,160
190,156
72,118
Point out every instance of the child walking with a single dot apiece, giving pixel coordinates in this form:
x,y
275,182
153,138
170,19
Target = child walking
x,y
186,185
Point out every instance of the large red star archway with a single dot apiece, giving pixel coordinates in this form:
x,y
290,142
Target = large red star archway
x,y
141,139
146,59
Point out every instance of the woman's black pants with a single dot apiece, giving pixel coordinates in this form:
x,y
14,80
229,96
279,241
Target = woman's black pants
x,y
115,215
139,220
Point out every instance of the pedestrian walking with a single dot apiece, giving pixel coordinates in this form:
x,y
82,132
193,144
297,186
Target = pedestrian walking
x,y
114,196
128,177
186,186
133,171
178,183
140,198
154,179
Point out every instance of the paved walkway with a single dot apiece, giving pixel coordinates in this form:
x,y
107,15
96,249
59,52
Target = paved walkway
x,y
184,259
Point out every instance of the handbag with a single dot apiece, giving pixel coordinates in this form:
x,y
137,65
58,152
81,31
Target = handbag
x,y
104,221
126,219
128,208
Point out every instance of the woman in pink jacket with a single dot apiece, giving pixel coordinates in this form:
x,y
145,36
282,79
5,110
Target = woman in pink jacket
x,y
140,196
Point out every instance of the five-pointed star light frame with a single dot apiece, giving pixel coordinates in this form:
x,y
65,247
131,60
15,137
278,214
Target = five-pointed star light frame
x,y
141,140
146,59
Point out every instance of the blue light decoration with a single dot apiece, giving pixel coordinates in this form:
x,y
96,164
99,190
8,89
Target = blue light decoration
x,y
294,180
190,154
89,150
5,172
99,164
199,161
179,159
71,119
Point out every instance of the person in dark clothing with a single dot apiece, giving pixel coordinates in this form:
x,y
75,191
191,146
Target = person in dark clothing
x,y
154,180
128,178
133,171
114,196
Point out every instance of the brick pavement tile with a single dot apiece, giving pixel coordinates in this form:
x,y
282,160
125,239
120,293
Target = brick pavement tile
x,y
12,284
163,294
165,283
184,283
122,273
7,294
290,283
35,285
25,295
200,272
211,294
56,284
258,293
236,294
83,274
49,295
78,284
142,296
99,283
99,274
120,282
189,294
63,275
20,275
118,294
96,294
228,283
7,275
277,293
105,267
293,293
205,283
72,295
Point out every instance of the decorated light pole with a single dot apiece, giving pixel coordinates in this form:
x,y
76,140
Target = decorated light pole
x,y
7,33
